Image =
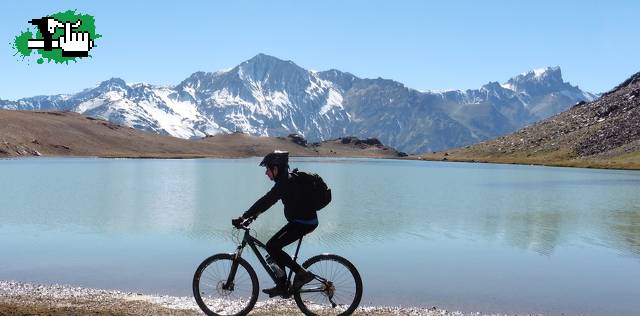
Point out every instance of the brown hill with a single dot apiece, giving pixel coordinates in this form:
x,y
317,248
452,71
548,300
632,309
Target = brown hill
x,y
604,133
27,133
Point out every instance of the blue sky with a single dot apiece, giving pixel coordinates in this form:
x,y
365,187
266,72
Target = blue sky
x,y
426,45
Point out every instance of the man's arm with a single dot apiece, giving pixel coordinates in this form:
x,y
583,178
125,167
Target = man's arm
x,y
265,202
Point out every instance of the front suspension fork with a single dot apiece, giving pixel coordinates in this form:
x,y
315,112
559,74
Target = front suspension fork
x,y
229,285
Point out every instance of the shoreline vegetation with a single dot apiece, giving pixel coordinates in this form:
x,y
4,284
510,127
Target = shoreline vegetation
x,y
630,162
18,298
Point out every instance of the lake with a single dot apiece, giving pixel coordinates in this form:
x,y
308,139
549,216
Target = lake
x,y
470,237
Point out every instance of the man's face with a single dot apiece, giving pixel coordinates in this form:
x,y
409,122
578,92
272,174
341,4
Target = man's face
x,y
271,173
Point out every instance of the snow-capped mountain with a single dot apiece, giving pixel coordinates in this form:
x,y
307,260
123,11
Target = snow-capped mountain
x,y
271,97
498,109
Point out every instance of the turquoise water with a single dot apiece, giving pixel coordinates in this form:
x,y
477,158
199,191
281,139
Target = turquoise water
x,y
471,237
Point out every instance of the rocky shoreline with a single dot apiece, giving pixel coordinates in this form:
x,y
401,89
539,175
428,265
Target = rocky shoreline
x,y
18,298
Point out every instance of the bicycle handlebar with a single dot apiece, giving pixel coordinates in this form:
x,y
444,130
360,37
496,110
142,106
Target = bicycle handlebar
x,y
245,223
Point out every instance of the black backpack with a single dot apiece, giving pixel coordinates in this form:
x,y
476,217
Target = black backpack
x,y
315,192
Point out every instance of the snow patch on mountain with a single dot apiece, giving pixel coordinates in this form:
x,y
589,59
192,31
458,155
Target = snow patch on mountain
x,y
223,98
334,100
539,72
507,86
89,105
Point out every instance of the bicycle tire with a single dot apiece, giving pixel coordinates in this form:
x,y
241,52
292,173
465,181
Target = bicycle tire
x,y
343,274
220,268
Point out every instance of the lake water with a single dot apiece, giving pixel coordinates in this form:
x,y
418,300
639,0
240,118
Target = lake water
x,y
470,237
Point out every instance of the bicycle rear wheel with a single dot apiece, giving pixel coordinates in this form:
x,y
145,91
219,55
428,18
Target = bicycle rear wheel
x,y
213,295
337,289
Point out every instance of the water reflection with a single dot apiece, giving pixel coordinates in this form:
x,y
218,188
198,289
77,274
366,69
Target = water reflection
x,y
624,230
539,232
530,208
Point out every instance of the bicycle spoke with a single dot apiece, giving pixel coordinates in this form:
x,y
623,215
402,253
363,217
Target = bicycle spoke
x,y
341,286
219,298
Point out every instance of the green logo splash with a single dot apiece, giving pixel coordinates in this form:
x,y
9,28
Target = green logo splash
x,y
68,36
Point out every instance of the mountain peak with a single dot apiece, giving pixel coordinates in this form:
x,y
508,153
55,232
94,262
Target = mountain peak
x,y
547,73
263,68
539,81
112,83
543,72
492,85
197,76
266,59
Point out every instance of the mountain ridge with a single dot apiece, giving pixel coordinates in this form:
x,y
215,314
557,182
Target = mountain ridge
x,y
604,133
267,96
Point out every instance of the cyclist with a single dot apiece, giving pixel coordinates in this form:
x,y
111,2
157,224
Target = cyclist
x,y
300,219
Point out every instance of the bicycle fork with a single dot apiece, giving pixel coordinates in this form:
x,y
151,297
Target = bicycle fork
x,y
229,285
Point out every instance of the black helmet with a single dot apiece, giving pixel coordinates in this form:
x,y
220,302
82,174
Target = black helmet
x,y
276,158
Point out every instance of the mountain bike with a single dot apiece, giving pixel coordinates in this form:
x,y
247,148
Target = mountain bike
x,y
226,284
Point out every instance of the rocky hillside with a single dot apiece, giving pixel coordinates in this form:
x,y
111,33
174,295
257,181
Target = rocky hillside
x,y
35,133
267,96
603,133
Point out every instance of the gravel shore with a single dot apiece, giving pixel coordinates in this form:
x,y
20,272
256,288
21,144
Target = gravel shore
x,y
17,298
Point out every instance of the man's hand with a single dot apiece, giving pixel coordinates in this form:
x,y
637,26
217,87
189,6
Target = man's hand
x,y
242,221
236,222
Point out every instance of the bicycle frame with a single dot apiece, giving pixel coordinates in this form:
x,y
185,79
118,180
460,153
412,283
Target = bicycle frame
x,y
254,244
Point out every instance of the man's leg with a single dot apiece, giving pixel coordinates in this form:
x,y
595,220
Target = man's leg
x,y
287,235
284,237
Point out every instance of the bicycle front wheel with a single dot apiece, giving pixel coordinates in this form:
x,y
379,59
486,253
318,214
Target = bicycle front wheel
x,y
336,290
215,295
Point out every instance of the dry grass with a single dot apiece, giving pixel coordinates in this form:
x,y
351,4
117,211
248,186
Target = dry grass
x,y
26,133
560,158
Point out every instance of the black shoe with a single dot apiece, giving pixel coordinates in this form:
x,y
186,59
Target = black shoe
x,y
278,290
302,278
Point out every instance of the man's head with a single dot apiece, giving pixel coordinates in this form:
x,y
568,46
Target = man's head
x,y
275,163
